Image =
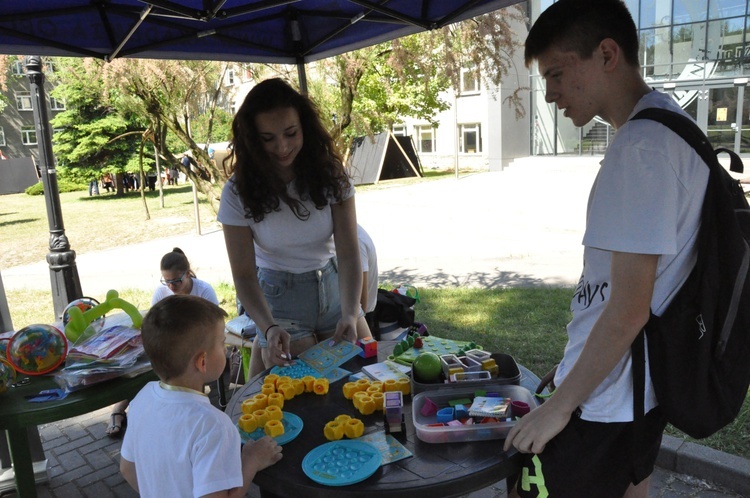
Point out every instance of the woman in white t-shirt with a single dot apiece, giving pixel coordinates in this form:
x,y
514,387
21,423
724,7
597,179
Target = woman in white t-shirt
x,y
176,278
288,197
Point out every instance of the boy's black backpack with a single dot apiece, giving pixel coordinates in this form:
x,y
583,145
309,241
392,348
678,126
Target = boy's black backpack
x,y
393,307
699,348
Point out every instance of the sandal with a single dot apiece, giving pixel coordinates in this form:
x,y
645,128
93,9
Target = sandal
x,y
116,430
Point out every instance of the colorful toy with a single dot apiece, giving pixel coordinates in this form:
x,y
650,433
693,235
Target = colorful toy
x,y
405,352
78,328
369,347
37,349
393,404
4,348
84,304
7,375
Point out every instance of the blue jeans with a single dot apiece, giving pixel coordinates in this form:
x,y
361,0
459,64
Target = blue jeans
x,y
302,303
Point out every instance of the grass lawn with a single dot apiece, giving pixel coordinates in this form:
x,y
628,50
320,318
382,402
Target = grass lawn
x,y
527,323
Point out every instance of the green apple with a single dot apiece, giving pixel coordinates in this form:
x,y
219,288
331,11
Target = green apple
x,y
426,367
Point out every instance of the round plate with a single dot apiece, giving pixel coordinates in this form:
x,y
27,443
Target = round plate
x,y
292,427
340,463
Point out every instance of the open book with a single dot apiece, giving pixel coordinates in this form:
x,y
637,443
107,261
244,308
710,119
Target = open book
x,y
485,406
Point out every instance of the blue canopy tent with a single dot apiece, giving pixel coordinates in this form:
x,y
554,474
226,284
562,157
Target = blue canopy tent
x,y
271,31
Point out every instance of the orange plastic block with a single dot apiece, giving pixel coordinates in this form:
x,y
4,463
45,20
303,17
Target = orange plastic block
x,y
274,428
354,428
274,413
261,417
248,406
309,380
350,388
366,405
276,399
333,430
247,422
320,386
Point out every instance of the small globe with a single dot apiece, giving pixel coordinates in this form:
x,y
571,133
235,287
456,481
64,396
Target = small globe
x,y
37,349
7,375
427,367
4,348
83,304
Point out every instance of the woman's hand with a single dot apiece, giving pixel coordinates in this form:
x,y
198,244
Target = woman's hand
x,y
277,351
346,329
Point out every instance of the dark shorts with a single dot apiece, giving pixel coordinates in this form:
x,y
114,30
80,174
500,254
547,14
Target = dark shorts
x,y
592,459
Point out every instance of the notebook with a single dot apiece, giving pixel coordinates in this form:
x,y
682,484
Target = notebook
x,y
485,406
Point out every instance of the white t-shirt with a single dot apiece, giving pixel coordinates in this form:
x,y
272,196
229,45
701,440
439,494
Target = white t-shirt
x,y
181,444
369,259
283,241
646,199
200,289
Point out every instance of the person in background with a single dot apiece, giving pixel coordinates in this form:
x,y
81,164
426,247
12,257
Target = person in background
x,y
176,278
286,201
174,175
108,182
642,222
178,443
368,256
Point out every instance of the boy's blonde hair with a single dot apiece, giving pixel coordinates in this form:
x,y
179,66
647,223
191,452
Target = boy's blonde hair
x,y
175,329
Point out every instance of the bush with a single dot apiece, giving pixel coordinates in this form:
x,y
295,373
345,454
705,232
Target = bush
x,y
62,186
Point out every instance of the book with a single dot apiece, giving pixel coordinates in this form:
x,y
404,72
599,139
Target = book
x,y
386,370
485,406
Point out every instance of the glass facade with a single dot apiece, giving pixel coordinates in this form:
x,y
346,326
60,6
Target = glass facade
x,y
697,50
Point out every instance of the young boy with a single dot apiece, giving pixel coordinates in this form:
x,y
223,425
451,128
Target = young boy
x,y
639,247
177,443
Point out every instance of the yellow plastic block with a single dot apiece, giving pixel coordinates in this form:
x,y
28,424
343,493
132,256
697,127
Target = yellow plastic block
x,y
271,379
452,371
276,399
354,428
274,413
248,406
489,363
390,385
261,417
350,388
287,390
333,430
299,386
376,385
342,418
404,385
320,386
378,399
274,428
366,405
358,398
284,379
309,380
494,370
268,389
363,384
261,401
247,422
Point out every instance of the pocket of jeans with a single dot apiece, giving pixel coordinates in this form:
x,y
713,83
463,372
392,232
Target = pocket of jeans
x,y
270,290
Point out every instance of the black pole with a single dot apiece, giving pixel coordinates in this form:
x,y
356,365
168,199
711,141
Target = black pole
x,y
61,259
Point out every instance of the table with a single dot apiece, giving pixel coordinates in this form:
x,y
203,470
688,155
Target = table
x,y
443,470
17,414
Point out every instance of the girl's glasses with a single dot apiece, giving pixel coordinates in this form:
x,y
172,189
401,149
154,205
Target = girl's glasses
x,y
173,281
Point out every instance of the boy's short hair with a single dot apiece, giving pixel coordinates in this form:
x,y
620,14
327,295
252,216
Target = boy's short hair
x,y
176,328
579,26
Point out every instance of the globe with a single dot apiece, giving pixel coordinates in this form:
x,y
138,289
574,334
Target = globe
x,y
427,367
84,304
7,375
37,349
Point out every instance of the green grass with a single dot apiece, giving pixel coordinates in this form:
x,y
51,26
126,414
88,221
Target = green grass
x,y
527,323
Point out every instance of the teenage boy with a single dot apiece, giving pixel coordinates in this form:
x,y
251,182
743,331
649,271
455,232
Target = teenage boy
x,y
639,246
177,443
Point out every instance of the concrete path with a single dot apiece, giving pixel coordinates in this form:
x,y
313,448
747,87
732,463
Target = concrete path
x,y
522,226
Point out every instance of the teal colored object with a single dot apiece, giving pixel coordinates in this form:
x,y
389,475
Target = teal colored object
x,y
340,463
292,428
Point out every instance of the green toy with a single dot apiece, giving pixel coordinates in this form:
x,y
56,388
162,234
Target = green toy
x,y
78,326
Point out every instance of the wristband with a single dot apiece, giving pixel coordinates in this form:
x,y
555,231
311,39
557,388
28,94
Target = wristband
x,y
270,327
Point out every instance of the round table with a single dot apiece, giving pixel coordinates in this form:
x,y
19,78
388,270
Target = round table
x,y
434,470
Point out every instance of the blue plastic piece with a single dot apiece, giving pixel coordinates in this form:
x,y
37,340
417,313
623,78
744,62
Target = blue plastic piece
x,y
461,412
445,415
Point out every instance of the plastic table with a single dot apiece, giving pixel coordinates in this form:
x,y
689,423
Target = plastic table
x,y
17,414
449,469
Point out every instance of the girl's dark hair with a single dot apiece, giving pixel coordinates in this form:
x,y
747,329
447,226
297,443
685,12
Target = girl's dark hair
x,y
319,169
176,261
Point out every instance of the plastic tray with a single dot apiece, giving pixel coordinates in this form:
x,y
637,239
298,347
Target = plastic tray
x,y
509,374
463,433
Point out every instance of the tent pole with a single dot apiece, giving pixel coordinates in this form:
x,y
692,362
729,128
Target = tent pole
x,y
61,259
302,76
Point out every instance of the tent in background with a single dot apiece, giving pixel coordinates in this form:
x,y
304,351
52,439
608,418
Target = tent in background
x,y
16,175
383,157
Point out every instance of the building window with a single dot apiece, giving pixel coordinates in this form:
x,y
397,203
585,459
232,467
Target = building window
x,y
469,80
233,108
425,138
230,77
470,138
17,68
28,135
399,130
56,105
2,137
23,101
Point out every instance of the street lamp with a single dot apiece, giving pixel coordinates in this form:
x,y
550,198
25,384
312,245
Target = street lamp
x,y
61,259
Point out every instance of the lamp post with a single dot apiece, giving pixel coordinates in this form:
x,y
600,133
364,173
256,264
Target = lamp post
x,y
61,259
